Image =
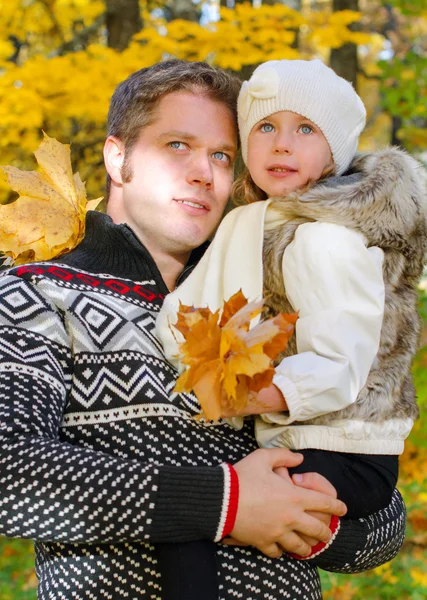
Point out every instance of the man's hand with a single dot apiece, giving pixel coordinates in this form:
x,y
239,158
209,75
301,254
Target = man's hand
x,y
313,481
273,512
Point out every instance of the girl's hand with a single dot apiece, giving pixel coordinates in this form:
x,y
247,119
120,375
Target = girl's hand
x,y
267,400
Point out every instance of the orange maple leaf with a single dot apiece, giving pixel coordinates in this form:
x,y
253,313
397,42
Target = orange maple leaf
x,y
48,218
226,359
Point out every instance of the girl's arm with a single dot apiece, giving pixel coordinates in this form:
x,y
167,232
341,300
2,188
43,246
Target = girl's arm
x,y
336,284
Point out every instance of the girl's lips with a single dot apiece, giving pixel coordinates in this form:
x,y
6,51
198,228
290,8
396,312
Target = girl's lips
x,y
281,172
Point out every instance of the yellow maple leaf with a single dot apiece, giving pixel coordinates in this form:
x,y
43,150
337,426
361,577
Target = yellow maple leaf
x,y
48,218
228,360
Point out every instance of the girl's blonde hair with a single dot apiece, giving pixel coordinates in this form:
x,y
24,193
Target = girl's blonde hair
x,y
246,191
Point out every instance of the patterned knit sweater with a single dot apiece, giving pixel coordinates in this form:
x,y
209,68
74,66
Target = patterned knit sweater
x,y
100,459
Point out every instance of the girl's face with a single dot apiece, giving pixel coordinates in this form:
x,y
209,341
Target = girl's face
x,y
285,151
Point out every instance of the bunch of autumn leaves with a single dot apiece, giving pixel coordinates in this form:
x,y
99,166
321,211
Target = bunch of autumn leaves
x,y
227,360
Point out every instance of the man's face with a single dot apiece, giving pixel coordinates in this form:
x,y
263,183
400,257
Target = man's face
x,y
182,171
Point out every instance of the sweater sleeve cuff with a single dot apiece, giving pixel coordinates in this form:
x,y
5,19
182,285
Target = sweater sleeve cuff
x,y
334,526
231,501
194,503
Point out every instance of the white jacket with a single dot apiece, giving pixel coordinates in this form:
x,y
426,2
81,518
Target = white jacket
x,y
336,284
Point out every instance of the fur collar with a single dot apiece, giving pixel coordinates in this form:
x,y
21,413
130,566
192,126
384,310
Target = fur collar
x,y
383,195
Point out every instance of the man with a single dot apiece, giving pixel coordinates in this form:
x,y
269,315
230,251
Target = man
x,y
99,458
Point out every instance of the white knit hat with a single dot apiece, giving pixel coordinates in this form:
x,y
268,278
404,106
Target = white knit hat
x,y
311,89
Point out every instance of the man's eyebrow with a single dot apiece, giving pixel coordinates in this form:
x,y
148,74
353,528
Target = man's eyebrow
x,y
228,148
182,135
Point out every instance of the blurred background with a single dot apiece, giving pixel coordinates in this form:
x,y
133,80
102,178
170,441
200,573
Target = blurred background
x,y
60,61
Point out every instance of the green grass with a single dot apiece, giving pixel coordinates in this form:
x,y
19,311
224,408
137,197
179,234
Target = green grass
x,y
17,576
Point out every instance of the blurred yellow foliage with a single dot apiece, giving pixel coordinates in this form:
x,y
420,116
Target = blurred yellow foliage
x,y
419,577
413,462
67,93
63,86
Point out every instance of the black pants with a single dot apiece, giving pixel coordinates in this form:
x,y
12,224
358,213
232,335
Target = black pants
x,y
364,482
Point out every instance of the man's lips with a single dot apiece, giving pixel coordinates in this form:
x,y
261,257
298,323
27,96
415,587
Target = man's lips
x,y
193,205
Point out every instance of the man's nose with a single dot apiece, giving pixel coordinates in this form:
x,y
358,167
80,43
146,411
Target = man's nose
x,y
200,171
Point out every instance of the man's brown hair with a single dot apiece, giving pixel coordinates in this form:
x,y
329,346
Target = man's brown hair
x,y
135,100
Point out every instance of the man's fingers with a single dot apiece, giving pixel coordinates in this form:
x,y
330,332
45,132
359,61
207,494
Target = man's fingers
x,y
313,528
316,501
231,541
284,473
281,457
272,550
333,506
324,517
292,542
314,481
309,540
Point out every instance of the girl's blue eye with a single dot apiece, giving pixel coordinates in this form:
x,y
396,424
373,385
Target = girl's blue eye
x,y
267,127
176,145
306,129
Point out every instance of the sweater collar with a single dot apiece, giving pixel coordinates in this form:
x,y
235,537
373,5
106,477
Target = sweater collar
x,y
114,249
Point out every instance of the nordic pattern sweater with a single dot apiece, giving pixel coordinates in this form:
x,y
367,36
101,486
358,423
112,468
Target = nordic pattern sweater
x,y
100,459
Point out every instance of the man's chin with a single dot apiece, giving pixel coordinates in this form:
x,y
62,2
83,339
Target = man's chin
x,y
190,240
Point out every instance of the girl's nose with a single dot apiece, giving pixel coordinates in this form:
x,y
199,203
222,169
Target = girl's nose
x,y
282,144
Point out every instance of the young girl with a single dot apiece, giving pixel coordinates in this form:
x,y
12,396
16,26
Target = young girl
x,y
343,394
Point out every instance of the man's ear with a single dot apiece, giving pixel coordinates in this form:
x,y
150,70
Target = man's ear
x,y
114,156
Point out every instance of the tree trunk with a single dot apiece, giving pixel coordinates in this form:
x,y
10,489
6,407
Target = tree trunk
x,y
294,4
123,20
396,124
344,60
183,9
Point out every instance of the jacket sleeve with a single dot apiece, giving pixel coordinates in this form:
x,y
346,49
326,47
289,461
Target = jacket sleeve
x,y
55,491
367,543
336,284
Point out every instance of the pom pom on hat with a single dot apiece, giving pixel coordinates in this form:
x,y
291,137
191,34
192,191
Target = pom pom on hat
x,y
308,88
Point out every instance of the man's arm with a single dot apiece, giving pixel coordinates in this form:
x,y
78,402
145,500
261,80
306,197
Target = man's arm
x,y
51,490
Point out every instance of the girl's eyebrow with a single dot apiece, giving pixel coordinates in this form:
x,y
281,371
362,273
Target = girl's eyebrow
x,y
309,120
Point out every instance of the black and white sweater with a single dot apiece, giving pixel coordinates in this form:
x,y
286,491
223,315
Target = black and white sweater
x,y
100,459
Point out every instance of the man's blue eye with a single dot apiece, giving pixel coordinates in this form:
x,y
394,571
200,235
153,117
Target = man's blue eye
x,y
267,127
220,156
176,145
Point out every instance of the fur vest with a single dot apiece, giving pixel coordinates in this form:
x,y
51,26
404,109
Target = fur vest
x,y
382,196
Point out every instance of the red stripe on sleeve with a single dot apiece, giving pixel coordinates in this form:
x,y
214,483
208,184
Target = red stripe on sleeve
x,y
233,502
